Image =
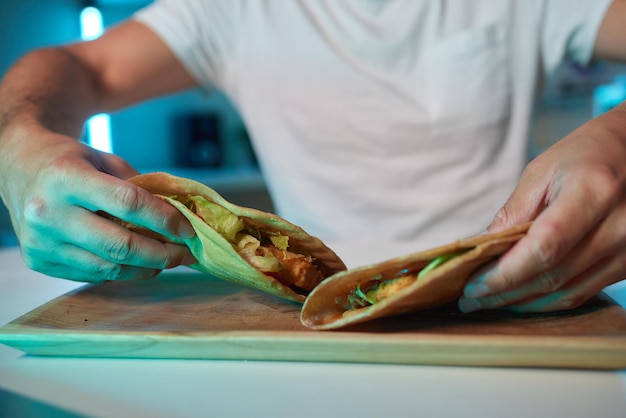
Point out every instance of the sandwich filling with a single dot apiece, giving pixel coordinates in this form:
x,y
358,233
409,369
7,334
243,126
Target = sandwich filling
x,y
379,288
267,251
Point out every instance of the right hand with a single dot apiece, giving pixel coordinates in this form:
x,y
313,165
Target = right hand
x,y
54,186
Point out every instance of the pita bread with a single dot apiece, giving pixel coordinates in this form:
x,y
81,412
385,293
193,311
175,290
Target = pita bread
x,y
331,304
218,256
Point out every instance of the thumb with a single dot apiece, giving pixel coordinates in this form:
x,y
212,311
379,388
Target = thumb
x,y
526,202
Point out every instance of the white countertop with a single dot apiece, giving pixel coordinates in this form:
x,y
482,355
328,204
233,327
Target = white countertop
x,y
189,388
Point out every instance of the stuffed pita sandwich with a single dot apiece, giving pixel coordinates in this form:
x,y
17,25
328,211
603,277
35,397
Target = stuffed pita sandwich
x,y
404,284
244,245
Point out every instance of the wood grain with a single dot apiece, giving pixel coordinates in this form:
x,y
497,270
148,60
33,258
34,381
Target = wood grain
x,y
181,315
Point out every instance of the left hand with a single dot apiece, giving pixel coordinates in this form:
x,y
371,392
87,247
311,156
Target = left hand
x,y
576,193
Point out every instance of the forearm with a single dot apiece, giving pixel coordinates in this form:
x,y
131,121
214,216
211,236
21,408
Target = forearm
x,y
49,88
611,40
609,131
621,115
45,99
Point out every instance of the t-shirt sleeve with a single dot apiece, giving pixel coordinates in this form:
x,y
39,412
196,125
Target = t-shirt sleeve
x,y
197,32
569,30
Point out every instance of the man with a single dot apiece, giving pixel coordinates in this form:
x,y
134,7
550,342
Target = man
x,y
374,121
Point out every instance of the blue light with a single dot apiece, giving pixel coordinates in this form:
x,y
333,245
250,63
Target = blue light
x,y
608,96
90,23
98,126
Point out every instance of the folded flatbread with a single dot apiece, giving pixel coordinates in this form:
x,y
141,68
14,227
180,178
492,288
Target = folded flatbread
x,y
244,245
404,284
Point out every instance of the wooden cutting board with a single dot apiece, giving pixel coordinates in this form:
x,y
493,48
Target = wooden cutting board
x,y
192,316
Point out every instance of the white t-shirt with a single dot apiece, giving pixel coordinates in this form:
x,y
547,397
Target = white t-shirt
x,y
377,121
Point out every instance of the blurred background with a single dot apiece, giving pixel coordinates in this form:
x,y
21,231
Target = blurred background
x,y
201,135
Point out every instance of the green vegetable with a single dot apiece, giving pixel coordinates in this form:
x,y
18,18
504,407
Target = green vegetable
x,y
359,298
280,241
436,263
368,297
250,249
247,240
219,218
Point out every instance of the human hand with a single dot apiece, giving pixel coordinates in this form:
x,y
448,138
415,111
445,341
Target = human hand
x,y
54,188
576,192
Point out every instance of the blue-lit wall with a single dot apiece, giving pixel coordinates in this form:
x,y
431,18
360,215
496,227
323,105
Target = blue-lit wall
x,y
28,24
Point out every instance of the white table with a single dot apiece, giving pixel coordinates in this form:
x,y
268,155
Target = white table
x,y
188,388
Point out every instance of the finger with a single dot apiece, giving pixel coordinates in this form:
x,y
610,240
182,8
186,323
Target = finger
x,y
577,278
550,239
103,237
119,245
577,291
526,202
603,242
73,263
543,283
581,275
135,205
50,231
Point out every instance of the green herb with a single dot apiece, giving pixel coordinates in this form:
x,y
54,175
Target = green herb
x,y
364,295
436,263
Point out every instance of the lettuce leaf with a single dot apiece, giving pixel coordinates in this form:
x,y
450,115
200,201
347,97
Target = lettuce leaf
x,y
219,218
280,241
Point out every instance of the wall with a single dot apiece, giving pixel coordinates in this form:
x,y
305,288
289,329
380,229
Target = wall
x,y
28,24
